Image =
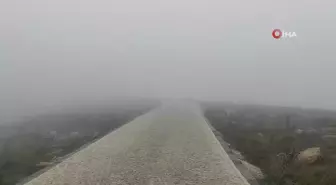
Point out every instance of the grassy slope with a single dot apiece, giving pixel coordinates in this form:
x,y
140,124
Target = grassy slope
x,y
263,134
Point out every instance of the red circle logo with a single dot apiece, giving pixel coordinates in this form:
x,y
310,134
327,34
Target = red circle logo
x,y
277,33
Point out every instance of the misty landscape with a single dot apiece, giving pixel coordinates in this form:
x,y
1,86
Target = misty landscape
x,y
270,145
291,146
29,146
173,92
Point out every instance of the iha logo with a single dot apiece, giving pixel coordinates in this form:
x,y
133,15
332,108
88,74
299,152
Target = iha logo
x,y
280,34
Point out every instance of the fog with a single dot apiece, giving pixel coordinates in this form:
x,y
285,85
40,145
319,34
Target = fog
x,y
56,52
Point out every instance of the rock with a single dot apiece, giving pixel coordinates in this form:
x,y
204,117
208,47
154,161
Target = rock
x,y
310,155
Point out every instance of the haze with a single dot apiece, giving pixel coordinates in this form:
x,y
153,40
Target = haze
x,y
53,52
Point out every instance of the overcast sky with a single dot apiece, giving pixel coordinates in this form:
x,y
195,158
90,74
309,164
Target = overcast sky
x,y
54,51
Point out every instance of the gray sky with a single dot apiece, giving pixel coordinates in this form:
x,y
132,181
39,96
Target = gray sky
x,y
59,51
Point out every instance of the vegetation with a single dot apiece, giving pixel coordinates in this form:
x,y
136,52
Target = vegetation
x,y
42,141
272,138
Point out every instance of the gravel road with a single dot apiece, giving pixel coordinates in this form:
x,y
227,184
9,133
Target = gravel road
x,y
171,145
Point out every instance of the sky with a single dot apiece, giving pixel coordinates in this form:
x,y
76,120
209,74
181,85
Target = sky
x,y
54,52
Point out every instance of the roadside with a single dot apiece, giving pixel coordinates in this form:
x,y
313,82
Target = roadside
x,y
36,145
251,173
290,146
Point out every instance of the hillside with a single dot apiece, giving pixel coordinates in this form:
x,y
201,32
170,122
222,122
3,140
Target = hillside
x,y
291,146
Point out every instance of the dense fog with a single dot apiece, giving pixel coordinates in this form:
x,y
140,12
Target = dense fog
x,y
56,53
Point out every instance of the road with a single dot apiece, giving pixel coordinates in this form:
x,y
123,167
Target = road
x,y
170,145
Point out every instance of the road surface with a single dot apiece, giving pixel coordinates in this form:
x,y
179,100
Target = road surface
x,y
170,145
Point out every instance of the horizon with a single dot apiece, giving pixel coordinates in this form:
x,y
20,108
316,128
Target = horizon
x,y
56,52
